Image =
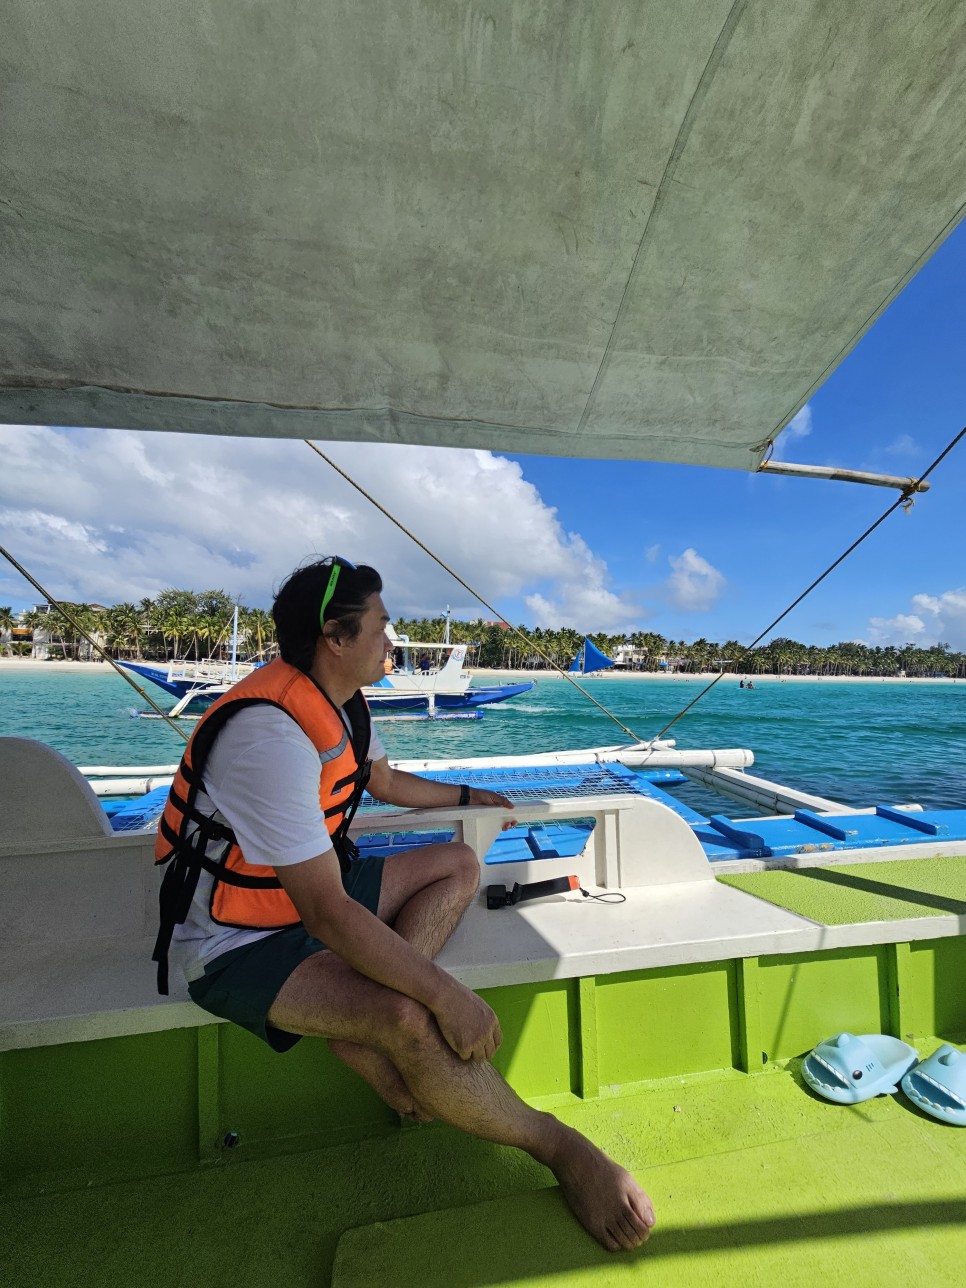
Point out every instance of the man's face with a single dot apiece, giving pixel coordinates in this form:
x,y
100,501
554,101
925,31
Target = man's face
x,y
368,651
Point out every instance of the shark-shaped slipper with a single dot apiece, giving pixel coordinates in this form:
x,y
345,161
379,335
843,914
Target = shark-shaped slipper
x,y
850,1069
938,1085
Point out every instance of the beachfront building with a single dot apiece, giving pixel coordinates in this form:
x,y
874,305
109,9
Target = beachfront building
x,y
630,657
14,637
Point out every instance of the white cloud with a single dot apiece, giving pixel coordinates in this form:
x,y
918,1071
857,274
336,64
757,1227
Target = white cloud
x,y
937,619
800,426
904,628
585,607
580,597
950,604
694,585
904,445
652,553
75,537
107,515
948,616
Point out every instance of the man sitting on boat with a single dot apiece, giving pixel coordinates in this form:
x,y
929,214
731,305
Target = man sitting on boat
x,y
280,928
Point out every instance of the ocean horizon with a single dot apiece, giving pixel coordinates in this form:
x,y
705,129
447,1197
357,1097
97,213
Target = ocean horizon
x,y
860,742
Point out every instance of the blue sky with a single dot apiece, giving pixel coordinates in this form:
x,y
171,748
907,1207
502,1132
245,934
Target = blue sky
x,y
891,407
599,545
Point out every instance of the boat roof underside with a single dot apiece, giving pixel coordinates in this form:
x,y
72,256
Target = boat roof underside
x,y
647,230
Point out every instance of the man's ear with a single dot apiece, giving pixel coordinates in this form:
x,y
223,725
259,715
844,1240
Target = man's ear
x,y
330,637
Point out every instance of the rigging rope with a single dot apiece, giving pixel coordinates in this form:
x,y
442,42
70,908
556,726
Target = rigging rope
x,y
60,608
905,499
476,595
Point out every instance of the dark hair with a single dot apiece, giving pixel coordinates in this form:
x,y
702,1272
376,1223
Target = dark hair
x,y
296,607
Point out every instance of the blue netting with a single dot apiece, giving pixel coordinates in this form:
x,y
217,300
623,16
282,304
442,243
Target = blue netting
x,y
550,782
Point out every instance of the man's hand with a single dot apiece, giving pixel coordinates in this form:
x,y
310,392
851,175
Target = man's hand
x,y
482,796
468,1024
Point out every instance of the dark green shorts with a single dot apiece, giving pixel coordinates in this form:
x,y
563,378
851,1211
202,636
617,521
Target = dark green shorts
x,y
242,985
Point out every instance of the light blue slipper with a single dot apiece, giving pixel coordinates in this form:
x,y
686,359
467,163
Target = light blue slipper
x,y
938,1085
849,1069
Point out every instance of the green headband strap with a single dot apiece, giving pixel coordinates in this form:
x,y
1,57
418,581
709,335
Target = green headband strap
x,y
337,565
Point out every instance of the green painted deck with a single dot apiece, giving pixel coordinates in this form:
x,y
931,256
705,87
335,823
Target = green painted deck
x,y
755,1181
843,1194
116,1169
849,893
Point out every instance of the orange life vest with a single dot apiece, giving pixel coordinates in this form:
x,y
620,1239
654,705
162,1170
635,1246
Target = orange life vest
x,y
247,895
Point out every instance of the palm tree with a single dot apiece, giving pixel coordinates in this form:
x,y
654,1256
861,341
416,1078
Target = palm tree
x,y
91,623
59,628
210,630
124,624
259,629
701,653
733,652
7,622
174,623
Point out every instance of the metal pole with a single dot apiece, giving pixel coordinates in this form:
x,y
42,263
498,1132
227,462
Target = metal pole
x,y
234,643
843,476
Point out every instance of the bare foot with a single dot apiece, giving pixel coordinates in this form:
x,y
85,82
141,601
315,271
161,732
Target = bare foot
x,y
382,1075
604,1198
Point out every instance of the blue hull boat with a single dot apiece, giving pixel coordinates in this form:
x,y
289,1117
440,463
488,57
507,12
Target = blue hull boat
x,y
182,682
172,679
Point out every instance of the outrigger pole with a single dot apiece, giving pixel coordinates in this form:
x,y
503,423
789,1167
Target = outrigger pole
x,y
907,486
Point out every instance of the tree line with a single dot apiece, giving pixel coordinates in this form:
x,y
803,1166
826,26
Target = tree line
x,y
499,646
181,624
178,624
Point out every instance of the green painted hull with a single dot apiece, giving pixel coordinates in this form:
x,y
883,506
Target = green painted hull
x,y
653,1064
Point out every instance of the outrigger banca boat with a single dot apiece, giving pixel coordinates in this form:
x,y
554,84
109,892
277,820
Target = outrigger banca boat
x,y
442,687
645,231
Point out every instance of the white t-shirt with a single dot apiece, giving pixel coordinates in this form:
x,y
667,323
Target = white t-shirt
x,y
263,777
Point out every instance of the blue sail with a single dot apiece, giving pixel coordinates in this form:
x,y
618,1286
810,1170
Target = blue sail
x,y
589,659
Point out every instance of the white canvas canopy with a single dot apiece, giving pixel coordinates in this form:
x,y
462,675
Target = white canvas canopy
x,y
644,230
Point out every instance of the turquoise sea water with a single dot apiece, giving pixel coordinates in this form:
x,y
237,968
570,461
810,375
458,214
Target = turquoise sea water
x,y
863,743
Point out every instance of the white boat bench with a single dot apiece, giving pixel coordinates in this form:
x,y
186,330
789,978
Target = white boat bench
x,y
80,906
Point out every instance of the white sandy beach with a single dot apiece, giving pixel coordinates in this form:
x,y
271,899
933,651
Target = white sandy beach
x,y
26,665
706,676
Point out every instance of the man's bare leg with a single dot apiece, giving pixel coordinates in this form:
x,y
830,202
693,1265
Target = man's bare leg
x,y
423,897
425,893
324,997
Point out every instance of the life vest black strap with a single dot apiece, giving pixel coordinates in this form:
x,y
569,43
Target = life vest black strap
x,y
227,877
355,777
191,776
211,827
178,889
169,834
213,830
186,807
360,721
345,852
346,849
